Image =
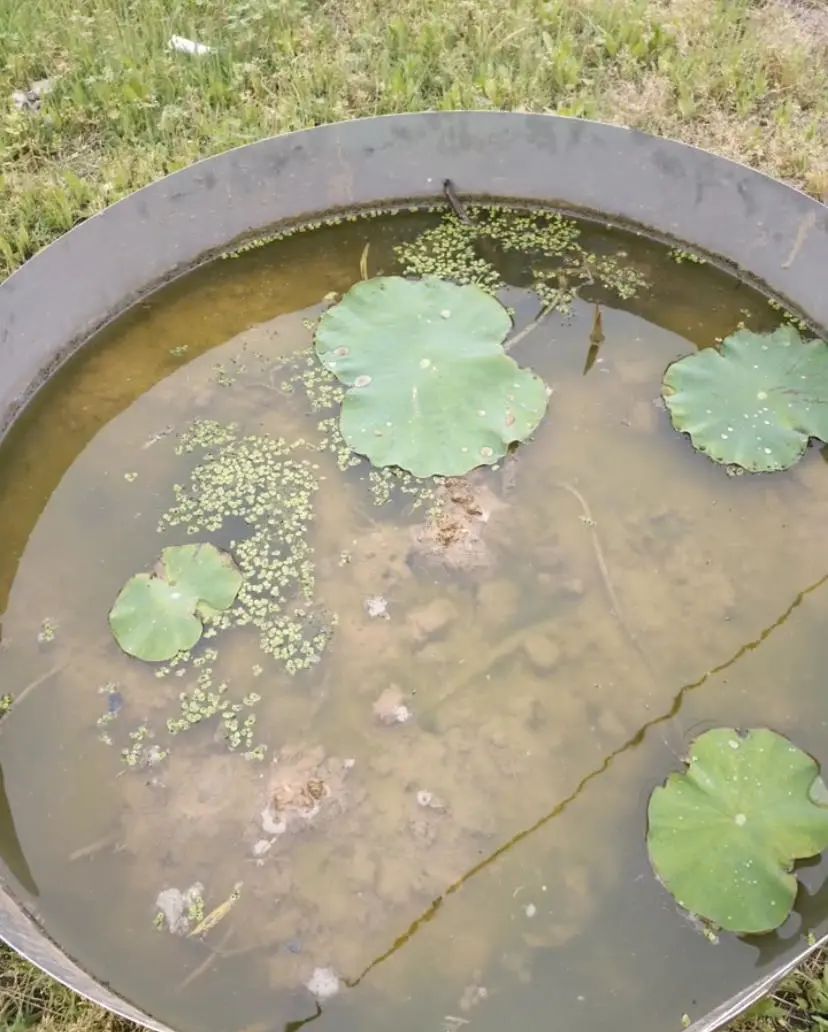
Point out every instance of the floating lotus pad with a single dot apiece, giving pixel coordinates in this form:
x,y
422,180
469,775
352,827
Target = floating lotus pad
x,y
157,615
432,390
755,402
724,835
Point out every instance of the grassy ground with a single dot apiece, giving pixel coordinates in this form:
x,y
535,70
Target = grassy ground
x,y
746,78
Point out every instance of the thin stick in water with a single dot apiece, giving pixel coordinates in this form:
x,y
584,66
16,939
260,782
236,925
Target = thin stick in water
x,y
94,847
457,205
38,681
208,961
528,328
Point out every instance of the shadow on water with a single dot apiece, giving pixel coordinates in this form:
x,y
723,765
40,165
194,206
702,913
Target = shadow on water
x,y
10,848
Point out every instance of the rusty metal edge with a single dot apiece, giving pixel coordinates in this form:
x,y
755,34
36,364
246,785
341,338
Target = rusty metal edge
x,y
768,232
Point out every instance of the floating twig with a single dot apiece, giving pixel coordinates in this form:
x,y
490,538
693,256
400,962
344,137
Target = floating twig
x,y
94,847
38,681
528,328
601,561
221,911
363,261
208,961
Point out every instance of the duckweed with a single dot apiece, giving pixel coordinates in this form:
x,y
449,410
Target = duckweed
x,y
304,227
790,317
138,754
47,632
195,905
680,257
257,481
113,710
455,250
324,392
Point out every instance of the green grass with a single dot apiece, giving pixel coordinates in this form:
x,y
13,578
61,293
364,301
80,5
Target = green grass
x,y
746,78
30,1000
800,1004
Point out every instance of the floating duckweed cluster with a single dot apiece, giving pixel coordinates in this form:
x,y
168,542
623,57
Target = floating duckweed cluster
x,y
320,387
333,441
324,392
139,754
257,480
113,709
202,703
449,252
206,701
680,257
542,233
306,227
384,482
462,252
6,702
790,317
557,288
47,632
195,905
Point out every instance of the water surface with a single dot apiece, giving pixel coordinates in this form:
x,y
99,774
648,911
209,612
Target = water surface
x,y
482,862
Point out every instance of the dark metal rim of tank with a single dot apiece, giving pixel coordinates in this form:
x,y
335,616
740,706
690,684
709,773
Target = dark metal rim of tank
x,y
769,233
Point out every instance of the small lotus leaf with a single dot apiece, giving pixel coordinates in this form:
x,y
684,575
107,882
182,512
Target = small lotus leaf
x,y
431,389
156,615
724,835
204,571
755,402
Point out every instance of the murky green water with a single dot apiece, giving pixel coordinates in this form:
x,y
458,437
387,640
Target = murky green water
x,y
608,594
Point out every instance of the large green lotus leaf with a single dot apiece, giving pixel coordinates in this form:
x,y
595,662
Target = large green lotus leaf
x,y
431,389
723,836
755,402
156,615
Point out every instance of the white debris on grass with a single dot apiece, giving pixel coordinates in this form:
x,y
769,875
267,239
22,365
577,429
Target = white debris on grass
x,y
29,100
189,46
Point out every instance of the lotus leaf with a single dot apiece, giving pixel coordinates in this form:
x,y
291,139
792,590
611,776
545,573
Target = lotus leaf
x,y
157,615
754,403
431,389
723,836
